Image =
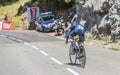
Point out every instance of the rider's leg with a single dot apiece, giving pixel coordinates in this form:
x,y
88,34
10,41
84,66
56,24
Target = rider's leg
x,y
73,43
81,42
73,33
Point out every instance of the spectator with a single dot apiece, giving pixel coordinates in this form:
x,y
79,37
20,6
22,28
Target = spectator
x,y
5,17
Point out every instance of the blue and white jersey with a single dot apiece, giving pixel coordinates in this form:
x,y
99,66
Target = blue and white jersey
x,y
76,27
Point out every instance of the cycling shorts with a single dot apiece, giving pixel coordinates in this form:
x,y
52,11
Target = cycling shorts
x,y
79,30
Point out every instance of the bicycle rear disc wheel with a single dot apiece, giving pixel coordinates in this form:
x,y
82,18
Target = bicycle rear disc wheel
x,y
82,58
72,55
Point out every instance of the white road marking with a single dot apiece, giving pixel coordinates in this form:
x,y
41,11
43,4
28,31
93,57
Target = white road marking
x,y
55,60
26,43
12,38
44,53
3,35
72,71
19,40
35,47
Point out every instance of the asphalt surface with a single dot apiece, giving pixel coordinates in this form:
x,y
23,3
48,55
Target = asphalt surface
x,y
35,53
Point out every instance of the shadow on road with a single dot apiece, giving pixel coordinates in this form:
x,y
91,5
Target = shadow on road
x,y
72,64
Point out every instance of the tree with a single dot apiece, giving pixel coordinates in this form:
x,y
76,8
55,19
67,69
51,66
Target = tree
x,y
55,3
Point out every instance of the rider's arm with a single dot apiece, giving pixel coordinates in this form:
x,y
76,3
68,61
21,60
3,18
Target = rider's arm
x,y
68,27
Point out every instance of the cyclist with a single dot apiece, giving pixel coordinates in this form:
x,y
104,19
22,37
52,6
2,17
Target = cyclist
x,y
73,30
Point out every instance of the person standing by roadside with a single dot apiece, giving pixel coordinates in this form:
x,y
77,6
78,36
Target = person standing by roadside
x,y
5,17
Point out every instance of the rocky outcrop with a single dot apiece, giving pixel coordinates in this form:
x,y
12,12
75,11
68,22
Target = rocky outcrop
x,y
103,18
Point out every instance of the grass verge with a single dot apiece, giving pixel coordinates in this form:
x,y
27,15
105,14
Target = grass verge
x,y
12,6
11,9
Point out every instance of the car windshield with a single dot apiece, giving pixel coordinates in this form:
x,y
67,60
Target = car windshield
x,y
47,18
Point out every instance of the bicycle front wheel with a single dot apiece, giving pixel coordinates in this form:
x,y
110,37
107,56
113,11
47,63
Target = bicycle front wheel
x,y
72,55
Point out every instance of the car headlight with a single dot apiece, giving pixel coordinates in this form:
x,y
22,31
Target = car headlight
x,y
44,25
47,26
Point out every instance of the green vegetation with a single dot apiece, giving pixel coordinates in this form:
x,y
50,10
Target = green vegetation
x,y
7,2
15,20
56,4
67,1
11,8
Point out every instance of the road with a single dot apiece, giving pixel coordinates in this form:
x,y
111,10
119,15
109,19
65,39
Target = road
x,y
35,53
